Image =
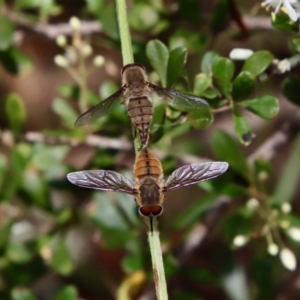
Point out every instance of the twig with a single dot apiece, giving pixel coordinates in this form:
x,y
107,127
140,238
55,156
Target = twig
x,y
90,140
280,138
201,229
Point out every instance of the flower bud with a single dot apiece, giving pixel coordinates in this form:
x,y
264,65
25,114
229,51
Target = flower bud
x,y
61,40
294,233
252,204
240,240
99,60
61,61
288,259
75,24
286,208
273,249
86,50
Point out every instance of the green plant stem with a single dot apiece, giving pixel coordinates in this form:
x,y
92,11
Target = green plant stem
x,y
157,261
153,235
124,33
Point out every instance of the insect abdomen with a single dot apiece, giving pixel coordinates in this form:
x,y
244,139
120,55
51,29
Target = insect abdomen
x,y
140,111
147,165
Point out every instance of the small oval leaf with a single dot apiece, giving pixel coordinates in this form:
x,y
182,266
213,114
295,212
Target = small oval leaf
x,y
225,148
223,70
242,86
267,107
291,89
158,55
258,62
242,128
176,63
67,293
15,110
200,118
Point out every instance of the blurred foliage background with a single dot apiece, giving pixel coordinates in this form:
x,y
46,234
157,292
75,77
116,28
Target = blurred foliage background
x,y
234,237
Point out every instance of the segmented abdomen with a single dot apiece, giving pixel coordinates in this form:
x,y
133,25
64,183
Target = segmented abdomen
x,y
147,165
140,111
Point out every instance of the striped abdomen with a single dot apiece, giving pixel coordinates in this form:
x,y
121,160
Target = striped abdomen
x,y
140,111
147,165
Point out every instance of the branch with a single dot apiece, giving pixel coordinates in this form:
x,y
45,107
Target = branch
x,y
278,140
91,140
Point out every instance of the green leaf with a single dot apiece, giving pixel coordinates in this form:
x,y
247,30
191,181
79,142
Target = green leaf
x,y
22,293
223,71
289,179
242,128
200,118
18,253
267,107
94,5
242,86
157,127
201,83
67,293
65,111
258,62
8,61
6,33
295,42
291,89
143,17
226,149
193,213
176,62
283,22
15,110
132,263
158,55
61,259
207,61
3,166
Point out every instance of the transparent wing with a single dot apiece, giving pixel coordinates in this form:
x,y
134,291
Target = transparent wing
x,y
102,180
194,173
100,110
179,98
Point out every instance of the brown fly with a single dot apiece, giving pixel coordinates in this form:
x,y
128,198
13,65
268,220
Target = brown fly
x,y
149,188
135,93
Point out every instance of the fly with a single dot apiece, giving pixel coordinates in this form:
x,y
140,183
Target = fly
x,y
149,188
135,93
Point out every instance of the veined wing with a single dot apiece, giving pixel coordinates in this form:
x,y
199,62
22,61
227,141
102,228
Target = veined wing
x,y
102,180
194,173
180,99
99,110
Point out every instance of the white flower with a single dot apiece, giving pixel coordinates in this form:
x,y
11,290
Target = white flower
x,y
288,259
273,249
286,208
252,204
294,233
240,53
99,60
240,240
290,7
61,61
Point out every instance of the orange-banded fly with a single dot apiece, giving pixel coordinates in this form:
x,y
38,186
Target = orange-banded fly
x,y
149,187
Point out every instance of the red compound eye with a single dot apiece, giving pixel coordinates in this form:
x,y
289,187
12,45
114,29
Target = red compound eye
x,y
151,210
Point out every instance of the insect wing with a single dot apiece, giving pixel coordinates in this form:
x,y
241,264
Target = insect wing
x,y
99,110
102,180
183,100
194,173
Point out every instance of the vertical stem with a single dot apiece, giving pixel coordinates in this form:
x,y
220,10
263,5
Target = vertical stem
x,y
157,260
153,235
124,33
